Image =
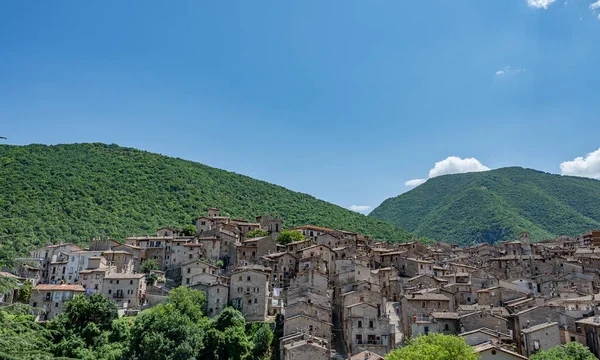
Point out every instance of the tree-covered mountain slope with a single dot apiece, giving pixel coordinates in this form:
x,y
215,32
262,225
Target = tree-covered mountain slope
x,y
75,192
496,205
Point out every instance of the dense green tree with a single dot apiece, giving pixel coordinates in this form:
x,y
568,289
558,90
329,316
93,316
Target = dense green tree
x,y
434,346
571,351
25,292
21,338
256,233
97,309
148,265
75,192
173,330
189,230
288,236
262,339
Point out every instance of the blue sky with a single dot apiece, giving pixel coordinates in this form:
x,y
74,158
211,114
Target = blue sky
x,y
344,100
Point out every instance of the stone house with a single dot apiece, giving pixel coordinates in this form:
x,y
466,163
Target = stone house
x,y
539,337
498,295
492,351
53,260
121,259
484,335
50,299
76,262
92,277
307,307
307,324
249,291
367,328
127,290
135,251
483,319
310,231
529,318
310,349
590,327
191,269
416,306
284,267
217,296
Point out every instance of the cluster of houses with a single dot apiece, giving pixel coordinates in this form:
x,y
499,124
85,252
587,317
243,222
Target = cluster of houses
x,y
339,294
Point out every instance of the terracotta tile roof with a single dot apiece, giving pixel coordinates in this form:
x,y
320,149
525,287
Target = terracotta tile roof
x,y
59,287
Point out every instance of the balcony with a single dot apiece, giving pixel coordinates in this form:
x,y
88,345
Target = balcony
x,y
118,295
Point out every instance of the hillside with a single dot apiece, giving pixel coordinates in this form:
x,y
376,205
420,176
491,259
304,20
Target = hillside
x,y
496,205
75,192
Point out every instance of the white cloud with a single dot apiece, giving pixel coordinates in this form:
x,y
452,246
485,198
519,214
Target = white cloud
x,y
509,70
586,167
450,165
414,182
540,4
594,7
360,208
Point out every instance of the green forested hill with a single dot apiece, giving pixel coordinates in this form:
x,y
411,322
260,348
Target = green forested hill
x,y
75,192
496,205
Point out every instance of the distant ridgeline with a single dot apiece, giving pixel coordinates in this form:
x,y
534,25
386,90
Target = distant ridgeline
x,y
71,193
496,206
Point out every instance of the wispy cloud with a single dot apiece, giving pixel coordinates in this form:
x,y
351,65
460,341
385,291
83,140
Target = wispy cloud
x,y
360,208
540,4
509,70
450,165
414,182
580,166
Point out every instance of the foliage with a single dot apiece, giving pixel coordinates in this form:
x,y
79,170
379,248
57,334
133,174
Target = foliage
x,y
571,351
25,292
78,191
434,346
219,263
21,337
288,236
149,265
495,206
84,330
256,233
189,230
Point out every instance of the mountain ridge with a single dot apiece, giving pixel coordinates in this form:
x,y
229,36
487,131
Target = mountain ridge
x,y
496,205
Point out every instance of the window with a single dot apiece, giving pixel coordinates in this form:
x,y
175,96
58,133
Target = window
x,y
117,282
240,278
310,328
250,301
359,339
110,282
423,304
35,305
189,270
218,290
439,304
218,301
84,277
426,330
190,256
109,291
255,301
56,305
359,323
130,282
370,324
187,281
248,278
97,276
446,327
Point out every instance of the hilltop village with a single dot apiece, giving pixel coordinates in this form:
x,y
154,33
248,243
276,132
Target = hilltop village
x,y
339,294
